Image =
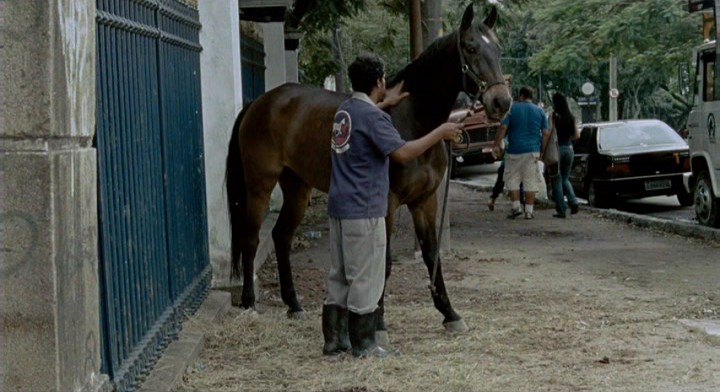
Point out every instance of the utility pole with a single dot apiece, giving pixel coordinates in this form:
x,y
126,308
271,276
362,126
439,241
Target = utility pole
x,y
613,93
416,45
340,72
432,29
431,21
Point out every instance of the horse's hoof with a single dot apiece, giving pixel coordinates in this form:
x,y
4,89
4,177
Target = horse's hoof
x,y
297,314
382,339
458,326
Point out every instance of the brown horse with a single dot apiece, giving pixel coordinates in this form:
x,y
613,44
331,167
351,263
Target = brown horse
x,y
284,136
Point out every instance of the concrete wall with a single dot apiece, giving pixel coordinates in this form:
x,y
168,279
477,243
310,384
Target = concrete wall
x,y
49,301
222,101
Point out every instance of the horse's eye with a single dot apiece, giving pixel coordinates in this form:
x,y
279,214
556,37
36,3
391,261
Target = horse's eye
x,y
471,50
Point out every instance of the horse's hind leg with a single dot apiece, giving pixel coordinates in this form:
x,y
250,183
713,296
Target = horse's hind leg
x,y
258,200
296,195
423,215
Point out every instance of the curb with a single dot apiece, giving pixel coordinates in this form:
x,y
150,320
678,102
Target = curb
x,y
169,370
674,227
685,229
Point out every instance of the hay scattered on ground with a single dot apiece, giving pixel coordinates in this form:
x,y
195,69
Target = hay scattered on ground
x,y
550,308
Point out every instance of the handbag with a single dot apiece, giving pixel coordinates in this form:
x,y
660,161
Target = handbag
x,y
551,155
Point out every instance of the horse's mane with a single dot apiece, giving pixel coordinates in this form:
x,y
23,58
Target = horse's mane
x,y
413,73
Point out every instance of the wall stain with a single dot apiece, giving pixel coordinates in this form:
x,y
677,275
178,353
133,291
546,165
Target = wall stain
x,y
11,265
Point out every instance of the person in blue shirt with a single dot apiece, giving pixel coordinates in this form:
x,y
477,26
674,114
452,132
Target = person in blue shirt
x,y
528,133
363,140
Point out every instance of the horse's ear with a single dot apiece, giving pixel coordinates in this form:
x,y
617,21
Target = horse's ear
x,y
491,18
467,18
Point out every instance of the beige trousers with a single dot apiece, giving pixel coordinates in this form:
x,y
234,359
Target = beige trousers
x,y
357,271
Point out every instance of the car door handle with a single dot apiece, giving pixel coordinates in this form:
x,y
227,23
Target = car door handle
x,y
693,125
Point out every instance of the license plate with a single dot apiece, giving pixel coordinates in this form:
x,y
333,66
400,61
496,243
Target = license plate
x,y
657,184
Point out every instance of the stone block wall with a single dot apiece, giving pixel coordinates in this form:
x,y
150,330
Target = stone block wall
x,y
49,298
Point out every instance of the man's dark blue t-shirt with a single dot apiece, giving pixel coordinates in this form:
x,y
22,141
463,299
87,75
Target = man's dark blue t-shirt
x,y
363,137
525,123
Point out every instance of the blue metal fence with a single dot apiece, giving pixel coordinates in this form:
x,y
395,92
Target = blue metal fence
x,y
253,68
153,234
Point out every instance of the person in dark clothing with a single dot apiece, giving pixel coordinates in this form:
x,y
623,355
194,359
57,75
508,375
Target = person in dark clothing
x,y
363,140
500,185
564,123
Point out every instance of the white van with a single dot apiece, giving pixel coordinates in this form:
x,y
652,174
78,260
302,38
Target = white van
x,y
704,140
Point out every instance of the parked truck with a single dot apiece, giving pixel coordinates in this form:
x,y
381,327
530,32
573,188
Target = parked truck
x,y
704,180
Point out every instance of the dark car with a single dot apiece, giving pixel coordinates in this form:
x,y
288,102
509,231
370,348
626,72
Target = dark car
x,y
630,160
478,138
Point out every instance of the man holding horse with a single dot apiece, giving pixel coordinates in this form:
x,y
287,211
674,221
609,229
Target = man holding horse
x,y
363,141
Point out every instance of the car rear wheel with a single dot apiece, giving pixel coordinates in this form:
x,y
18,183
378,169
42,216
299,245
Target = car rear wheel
x,y
707,205
685,198
598,198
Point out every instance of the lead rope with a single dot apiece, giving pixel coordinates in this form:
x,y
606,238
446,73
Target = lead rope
x,y
448,149
482,88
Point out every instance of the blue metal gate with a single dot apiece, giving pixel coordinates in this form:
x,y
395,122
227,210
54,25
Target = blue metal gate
x,y
154,266
253,68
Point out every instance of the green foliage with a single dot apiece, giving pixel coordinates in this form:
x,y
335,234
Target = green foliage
x,y
375,30
551,45
324,15
650,38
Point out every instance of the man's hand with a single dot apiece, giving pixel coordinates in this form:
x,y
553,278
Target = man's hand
x,y
451,131
393,96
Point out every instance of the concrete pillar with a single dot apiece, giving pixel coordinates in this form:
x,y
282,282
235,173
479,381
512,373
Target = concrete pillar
x,y
291,63
222,101
292,43
49,299
274,41
275,74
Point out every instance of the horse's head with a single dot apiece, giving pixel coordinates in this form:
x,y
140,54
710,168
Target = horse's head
x,y
479,51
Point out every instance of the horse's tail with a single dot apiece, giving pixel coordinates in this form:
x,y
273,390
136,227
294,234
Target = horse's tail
x,y
236,191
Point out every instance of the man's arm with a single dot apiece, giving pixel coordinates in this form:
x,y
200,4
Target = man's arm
x,y
415,148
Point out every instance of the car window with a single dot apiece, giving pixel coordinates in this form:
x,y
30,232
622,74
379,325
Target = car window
x,y
640,134
582,145
708,83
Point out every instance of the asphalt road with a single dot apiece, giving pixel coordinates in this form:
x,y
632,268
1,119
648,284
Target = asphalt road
x,y
665,207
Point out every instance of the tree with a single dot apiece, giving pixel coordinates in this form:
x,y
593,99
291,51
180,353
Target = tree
x,y
651,38
376,30
321,21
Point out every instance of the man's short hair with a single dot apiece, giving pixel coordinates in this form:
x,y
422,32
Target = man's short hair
x,y
526,92
365,71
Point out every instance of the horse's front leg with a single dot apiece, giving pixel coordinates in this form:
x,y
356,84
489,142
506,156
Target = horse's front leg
x,y
423,214
381,334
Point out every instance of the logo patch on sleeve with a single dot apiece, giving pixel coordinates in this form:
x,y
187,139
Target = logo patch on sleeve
x,y
342,127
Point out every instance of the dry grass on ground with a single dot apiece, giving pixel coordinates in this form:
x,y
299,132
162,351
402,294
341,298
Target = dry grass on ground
x,y
552,306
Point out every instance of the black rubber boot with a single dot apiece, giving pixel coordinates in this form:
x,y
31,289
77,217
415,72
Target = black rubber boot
x,y
335,330
362,336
